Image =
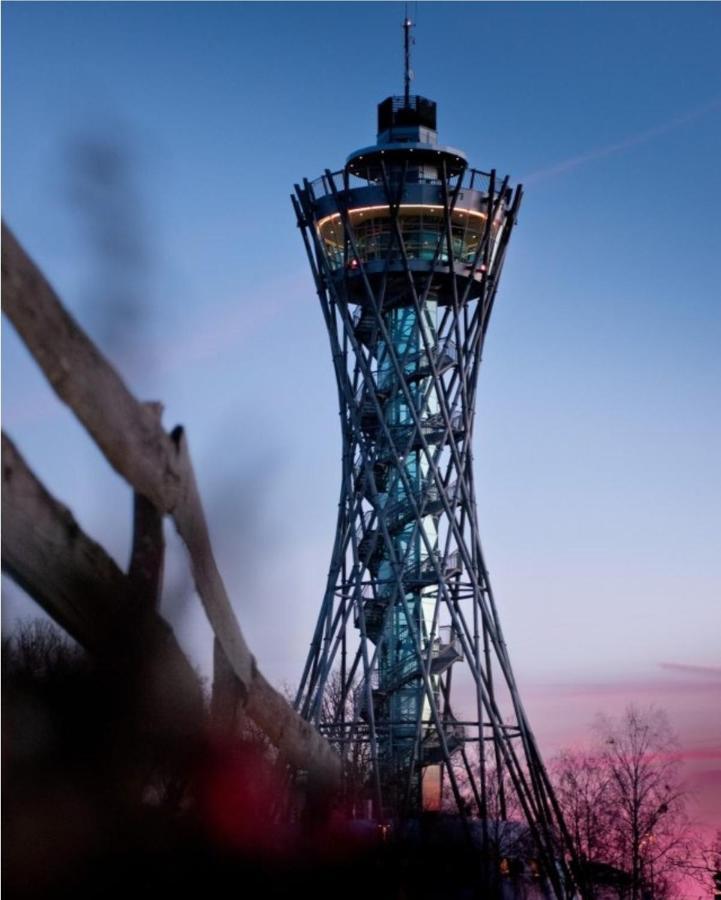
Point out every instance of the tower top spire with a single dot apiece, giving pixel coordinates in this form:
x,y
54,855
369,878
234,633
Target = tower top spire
x,y
407,71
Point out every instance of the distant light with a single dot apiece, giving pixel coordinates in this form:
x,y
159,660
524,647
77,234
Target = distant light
x,y
483,268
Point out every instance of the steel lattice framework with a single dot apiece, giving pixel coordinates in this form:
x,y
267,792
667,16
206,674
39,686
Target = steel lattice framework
x,y
406,245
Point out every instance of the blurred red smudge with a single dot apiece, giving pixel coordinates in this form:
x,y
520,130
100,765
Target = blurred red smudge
x,y
239,796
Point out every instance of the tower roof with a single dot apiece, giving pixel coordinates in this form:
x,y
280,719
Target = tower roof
x,y
404,112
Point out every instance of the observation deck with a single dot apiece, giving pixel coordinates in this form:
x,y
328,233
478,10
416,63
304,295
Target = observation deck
x,y
408,204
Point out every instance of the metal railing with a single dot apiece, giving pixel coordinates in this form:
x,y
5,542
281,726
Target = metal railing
x,y
416,364
364,533
399,510
442,354
431,426
454,732
423,571
449,637
471,180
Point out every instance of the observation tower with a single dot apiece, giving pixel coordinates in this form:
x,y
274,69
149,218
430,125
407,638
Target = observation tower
x,y
408,674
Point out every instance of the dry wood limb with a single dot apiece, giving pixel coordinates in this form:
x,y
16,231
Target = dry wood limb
x,y
158,467
126,431
146,557
224,698
47,554
75,581
145,570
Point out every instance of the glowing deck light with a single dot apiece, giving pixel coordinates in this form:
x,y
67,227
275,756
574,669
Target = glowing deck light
x,y
360,210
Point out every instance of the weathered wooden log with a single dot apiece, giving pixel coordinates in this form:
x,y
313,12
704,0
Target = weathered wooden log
x,y
147,554
126,431
79,586
45,551
158,466
145,569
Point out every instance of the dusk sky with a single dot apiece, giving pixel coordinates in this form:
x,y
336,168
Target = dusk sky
x,y
598,434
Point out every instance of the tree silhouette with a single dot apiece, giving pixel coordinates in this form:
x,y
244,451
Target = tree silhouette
x,y
625,805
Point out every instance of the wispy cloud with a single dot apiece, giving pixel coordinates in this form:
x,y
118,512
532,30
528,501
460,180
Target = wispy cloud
x,y
626,143
713,671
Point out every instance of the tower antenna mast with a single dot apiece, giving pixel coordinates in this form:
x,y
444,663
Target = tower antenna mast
x,y
408,74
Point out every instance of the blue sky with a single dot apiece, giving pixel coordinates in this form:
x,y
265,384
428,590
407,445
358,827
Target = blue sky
x,y
599,426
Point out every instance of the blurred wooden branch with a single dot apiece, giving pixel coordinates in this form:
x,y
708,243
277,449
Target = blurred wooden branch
x,y
157,465
45,551
78,585
145,569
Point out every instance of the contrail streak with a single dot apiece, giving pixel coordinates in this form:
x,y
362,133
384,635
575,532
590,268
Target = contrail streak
x,y
617,147
692,669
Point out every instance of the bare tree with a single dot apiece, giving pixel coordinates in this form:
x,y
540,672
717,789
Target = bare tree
x,y
715,865
583,790
625,806
338,710
650,833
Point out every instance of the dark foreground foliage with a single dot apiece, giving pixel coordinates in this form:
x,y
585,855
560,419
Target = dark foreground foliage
x,y
102,800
